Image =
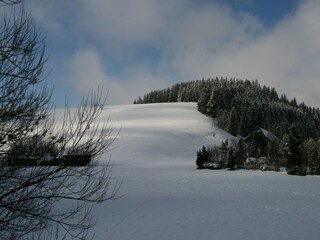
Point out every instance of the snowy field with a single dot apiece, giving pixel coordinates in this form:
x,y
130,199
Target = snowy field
x,y
165,197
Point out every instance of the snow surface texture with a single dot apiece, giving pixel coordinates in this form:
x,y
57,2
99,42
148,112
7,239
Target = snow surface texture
x,y
165,197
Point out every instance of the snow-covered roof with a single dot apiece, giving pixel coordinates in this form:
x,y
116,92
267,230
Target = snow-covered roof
x,y
270,136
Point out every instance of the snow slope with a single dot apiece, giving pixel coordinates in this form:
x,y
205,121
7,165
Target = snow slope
x,y
154,133
165,197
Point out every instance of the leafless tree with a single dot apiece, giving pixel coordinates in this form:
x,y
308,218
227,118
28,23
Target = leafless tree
x,y
49,176
9,2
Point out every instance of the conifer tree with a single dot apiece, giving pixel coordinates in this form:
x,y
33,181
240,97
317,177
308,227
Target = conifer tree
x,y
202,158
233,122
224,149
241,153
203,100
231,159
292,153
311,156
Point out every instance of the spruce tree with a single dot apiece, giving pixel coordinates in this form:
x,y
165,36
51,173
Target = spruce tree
x,y
203,100
224,149
241,153
233,122
292,153
202,158
231,159
310,154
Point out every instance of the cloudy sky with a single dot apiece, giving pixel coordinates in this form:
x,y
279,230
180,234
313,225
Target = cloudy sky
x,y
133,46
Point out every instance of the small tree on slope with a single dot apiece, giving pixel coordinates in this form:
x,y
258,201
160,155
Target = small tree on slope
x,y
202,158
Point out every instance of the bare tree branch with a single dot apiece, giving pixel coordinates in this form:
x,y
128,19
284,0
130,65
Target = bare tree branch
x,y
9,2
45,160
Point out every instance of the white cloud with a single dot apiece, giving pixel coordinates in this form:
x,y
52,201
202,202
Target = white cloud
x,y
206,33
86,71
189,41
287,58
122,28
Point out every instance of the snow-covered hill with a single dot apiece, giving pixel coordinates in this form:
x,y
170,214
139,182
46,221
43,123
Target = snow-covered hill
x,y
165,197
157,133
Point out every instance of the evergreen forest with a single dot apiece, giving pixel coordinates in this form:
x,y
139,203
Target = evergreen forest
x,y
240,106
243,108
